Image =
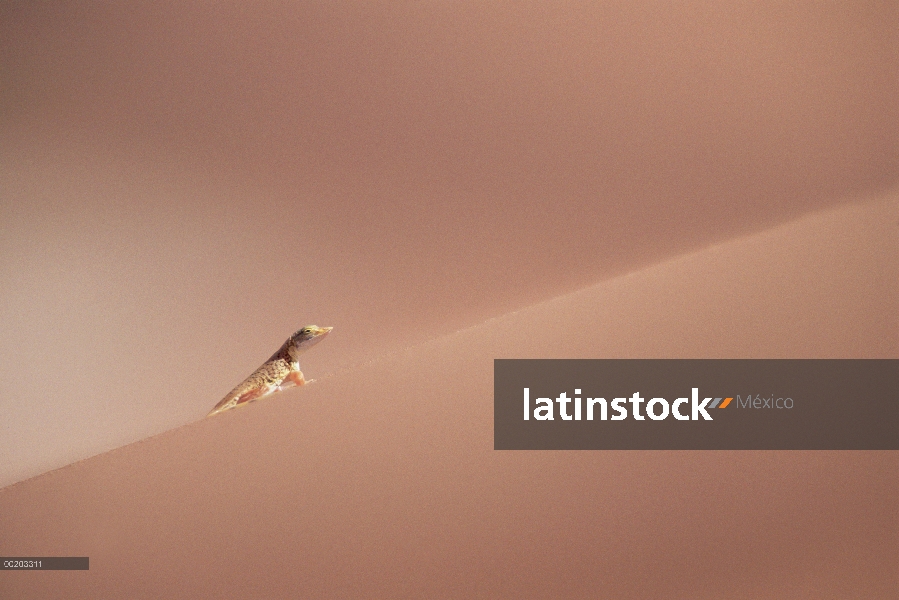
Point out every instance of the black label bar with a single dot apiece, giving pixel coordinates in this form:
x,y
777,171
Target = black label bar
x,y
45,563
764,404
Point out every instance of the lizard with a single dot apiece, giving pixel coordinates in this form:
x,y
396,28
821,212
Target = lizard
x,y
282,370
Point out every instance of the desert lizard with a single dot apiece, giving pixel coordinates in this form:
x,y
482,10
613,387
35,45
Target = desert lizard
x,y
280,371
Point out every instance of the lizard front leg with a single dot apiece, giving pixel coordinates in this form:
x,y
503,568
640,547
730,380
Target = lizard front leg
x,y
296,378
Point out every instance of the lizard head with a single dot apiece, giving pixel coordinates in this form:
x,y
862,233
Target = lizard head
x,y
305,338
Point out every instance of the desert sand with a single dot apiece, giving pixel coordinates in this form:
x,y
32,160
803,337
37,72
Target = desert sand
x,y
182,185
382,481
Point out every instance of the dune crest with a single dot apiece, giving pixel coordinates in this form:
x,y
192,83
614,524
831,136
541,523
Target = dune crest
x,y
382,481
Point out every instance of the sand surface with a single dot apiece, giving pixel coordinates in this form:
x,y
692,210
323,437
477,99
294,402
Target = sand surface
x,y
382,481
182,185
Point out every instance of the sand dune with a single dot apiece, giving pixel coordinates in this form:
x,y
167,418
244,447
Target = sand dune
x,y
381,481
184,184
